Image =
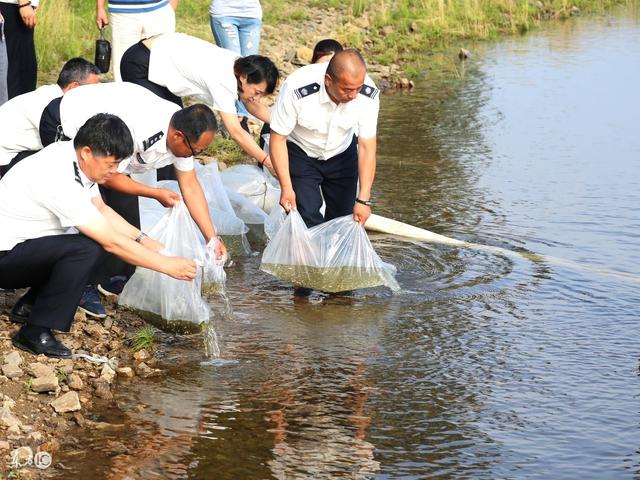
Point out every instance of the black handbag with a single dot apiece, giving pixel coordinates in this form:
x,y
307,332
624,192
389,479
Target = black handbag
x,y
103,53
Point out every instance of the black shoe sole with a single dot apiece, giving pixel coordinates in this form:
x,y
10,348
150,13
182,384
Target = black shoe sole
x,y
21,346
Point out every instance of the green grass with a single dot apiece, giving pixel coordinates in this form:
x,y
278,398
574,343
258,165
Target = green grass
x,y
66,28
142,339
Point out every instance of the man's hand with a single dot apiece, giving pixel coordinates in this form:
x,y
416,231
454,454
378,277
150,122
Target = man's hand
x,y
151,244
288,199
361,213
102,19
221,252
180,268
267,163
28,15
166,197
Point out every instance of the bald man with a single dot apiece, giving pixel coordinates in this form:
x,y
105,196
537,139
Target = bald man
x,y
314,148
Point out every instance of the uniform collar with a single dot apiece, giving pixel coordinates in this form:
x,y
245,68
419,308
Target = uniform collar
x,y
81,178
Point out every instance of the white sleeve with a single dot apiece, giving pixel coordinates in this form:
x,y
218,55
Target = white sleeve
x,y
368,121
284,115
222,98
184,164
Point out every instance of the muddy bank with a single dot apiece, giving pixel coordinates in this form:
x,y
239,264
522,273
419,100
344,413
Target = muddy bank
x,y
42,398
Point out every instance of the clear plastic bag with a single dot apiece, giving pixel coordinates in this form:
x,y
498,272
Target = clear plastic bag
x,y
161,299
224,218
214,276
334,256
254,183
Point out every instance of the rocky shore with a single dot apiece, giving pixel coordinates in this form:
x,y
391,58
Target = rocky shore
x,y
41,398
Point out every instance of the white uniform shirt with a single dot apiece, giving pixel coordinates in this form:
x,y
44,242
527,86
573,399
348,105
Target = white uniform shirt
x,y
306,114
146,115
20,121
189,66
44,195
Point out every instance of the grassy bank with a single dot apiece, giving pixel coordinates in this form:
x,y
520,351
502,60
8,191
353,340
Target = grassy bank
x,y
389,31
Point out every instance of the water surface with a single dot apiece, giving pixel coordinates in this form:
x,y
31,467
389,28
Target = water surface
x,y
486,365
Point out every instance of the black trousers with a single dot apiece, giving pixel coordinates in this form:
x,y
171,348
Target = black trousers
x,y
335,179
57,269
134,68
21,52
109,265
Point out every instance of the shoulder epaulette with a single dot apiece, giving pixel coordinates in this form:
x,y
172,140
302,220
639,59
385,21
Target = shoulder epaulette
x,y
307,90
152,139
368,91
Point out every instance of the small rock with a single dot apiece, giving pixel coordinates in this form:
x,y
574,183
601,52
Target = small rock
x,y
108,323
94,330
107,373
463,54
14,432
14,358
35,438
44,384
52,446
126,372
102,389
146,371
23,455
11,370
387,30
404,83
8,402
69,402
64,388
414,26
26,428
114,448
4,445
8,419
75,382
79,419
142,355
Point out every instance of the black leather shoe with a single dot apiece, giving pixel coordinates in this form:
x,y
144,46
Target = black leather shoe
x,y
46,344
20,312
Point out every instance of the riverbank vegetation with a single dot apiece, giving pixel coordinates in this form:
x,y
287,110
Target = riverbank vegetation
x,y
389,31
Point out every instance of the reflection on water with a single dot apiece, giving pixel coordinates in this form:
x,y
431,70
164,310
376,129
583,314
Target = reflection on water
x,y
488,364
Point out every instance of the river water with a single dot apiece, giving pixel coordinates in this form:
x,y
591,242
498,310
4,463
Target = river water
x,y
487,365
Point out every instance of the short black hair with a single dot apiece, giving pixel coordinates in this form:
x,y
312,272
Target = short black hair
x,y
325,47
194,120
258,69
105,135
76,70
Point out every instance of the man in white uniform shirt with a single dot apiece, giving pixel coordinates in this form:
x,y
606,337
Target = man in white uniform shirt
x,y
163,134
319,108
44,195
20,116
174,65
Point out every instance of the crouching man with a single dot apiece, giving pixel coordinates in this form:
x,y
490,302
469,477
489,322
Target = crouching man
x,y
40,198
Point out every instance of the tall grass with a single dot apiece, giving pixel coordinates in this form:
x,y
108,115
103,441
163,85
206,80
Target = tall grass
x,y
66,28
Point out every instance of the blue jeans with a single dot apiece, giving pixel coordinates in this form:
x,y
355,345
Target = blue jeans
x,y
239,34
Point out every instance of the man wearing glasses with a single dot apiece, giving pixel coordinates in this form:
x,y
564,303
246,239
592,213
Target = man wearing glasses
x,y
163,134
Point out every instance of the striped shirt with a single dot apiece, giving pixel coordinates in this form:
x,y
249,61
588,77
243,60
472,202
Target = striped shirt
x,y
135,6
